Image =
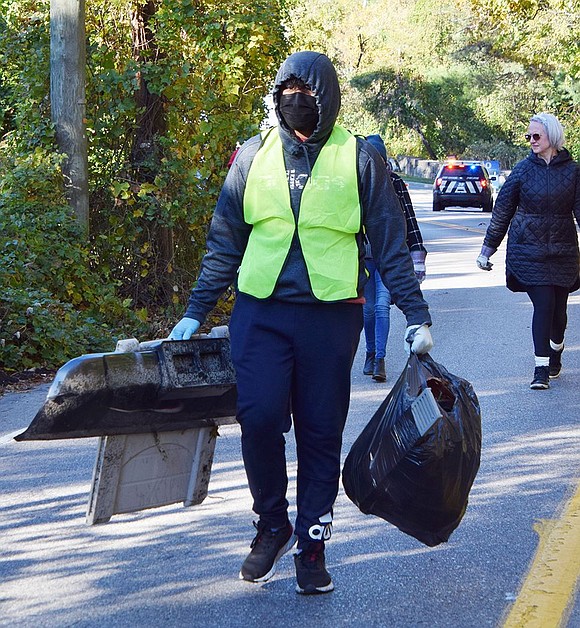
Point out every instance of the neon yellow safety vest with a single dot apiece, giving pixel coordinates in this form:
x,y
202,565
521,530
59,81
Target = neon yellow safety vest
x,y
328,219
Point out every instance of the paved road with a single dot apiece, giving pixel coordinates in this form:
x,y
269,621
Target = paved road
x,y
173,566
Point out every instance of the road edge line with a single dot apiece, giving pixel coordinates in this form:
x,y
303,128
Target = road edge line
x,y
548,591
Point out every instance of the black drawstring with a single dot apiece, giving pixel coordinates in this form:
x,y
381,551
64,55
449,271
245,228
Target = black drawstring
x,y
307,159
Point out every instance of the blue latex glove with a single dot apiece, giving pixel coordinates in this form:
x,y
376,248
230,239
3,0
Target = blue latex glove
x,y
418,339
185,329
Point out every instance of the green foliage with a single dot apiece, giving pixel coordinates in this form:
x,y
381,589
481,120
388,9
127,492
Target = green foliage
x,y
507,154
210,68
438,110
165,107
24,76
52,304
436,78
37,329
540,39
212,92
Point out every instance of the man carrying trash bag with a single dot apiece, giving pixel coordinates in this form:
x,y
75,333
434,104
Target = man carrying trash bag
x,y
289,228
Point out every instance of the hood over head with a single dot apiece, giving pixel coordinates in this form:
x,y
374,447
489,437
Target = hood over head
x,y
317,71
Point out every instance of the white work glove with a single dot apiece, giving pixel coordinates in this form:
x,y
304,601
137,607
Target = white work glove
x,y
483,262
185,329
418,339
420,271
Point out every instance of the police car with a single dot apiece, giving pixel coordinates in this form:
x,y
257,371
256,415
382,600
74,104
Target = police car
x,y
462,184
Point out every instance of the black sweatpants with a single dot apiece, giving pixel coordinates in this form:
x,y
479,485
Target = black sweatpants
x,y
298,358
550,316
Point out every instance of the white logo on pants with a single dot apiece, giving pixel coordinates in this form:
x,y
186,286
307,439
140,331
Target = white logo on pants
x,y
323,530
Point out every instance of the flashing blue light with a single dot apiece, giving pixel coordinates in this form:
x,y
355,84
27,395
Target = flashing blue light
x,y
472,167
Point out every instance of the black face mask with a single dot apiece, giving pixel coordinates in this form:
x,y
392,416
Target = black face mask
x,y
299,112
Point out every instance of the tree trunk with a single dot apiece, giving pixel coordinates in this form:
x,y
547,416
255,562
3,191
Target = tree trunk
x,y
67,99
425,142
146,153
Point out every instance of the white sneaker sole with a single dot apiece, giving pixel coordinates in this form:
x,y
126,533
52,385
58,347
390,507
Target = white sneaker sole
x,y
327,589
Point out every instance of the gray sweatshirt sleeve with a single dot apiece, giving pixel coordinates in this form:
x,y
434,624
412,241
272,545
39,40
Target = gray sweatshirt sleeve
x,y
227,238
386,230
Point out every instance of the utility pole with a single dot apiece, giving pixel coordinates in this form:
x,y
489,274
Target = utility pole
x,y
67,99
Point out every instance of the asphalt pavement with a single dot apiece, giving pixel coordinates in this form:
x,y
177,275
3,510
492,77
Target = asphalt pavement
x,y
176,566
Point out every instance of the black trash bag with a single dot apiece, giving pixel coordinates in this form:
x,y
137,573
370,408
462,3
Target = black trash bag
x,y
409,470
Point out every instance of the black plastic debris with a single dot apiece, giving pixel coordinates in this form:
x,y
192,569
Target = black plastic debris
x,y
167,386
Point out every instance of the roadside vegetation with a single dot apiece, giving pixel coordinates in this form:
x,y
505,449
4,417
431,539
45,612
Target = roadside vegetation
x,y
172,86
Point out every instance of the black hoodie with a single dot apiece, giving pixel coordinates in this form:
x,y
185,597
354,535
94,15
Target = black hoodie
x,y
382,217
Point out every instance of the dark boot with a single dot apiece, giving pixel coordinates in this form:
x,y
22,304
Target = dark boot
x,y
555,363
379,373
369,364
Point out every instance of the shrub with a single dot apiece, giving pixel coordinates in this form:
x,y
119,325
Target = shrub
x,y
53,303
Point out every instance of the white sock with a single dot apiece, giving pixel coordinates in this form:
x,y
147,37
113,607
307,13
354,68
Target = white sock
x,y
556,347
540,361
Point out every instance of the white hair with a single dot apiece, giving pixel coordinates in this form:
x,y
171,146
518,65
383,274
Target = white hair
x,y
554,129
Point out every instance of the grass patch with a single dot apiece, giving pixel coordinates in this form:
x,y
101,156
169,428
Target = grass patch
x,y
412,179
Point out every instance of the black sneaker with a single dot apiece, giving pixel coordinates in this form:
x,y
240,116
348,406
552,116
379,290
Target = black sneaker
x,y
268,547
541,379
369,364
555,363
311,574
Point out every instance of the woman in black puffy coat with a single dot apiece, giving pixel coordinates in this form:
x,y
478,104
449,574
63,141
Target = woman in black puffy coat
x,y
538,203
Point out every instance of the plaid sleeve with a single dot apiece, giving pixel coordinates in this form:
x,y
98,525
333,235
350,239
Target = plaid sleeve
x,y
414,237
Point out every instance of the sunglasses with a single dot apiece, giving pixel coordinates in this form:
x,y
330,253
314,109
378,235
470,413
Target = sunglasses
x,y
534,136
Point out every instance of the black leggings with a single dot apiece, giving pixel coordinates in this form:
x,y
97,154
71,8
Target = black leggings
x,y
550,317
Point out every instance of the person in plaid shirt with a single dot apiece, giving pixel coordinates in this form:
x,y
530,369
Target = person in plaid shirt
x,y
377,296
